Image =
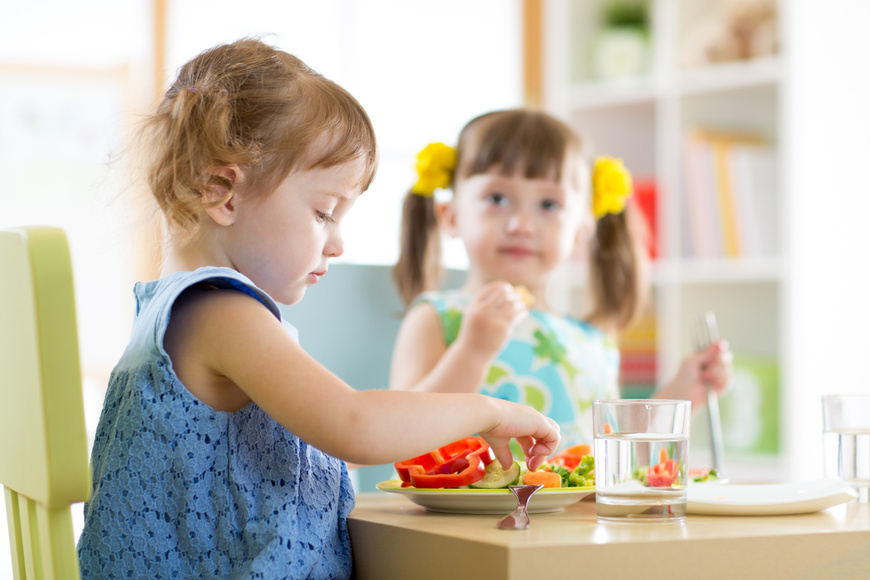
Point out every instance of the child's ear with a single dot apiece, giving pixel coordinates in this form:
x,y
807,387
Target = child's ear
x,y
220,197
446,215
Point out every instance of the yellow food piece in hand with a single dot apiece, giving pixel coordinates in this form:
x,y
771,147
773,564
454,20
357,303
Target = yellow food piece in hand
x,y
525,295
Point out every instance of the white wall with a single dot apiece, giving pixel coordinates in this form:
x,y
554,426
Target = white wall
x,y
828,206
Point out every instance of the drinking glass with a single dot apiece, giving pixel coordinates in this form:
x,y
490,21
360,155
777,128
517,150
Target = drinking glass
x,y
641,449
846,421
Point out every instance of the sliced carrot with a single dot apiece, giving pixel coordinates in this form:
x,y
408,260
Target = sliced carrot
x,y
545,478
663,455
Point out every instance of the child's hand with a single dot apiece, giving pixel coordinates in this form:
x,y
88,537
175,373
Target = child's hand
x,y
537,434
490,318
710,367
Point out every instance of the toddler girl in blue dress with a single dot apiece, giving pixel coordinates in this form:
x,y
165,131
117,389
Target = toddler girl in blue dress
x,y
221,448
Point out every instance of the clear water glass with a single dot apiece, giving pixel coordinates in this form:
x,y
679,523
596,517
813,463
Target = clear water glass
x,y
846,420
641,449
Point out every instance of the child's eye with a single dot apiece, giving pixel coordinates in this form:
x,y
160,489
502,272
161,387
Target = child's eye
x,y
550,205
323,217
497,199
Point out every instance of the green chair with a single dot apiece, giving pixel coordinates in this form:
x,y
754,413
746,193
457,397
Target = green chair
x,y
43,443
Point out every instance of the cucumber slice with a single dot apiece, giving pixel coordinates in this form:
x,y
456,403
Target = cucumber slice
x,y
496,477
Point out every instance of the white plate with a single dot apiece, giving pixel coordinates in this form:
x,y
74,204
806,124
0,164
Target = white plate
x,y
486,501
734,499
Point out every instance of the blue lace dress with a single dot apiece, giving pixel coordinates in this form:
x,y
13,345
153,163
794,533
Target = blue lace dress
x,y
183,491
556,364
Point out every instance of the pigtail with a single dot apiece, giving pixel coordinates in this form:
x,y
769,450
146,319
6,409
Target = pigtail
x,y
617,264
618,268
419,267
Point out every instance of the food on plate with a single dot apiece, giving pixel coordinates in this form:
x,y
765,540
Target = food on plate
x,y
496,477
543,477
571,456
456,464
662,474
526,296
582,475
702,475
470,463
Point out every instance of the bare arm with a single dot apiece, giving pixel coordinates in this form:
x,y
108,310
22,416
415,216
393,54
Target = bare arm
x,y
422,362
229,337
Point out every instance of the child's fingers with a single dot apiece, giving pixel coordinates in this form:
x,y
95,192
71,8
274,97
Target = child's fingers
x,y
536,452
533,462
546,439
503,452
494,291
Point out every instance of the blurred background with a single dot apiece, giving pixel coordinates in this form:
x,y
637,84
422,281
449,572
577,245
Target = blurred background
x,y
744,122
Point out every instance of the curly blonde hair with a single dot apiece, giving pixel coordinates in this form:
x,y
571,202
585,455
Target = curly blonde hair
x,y
253,106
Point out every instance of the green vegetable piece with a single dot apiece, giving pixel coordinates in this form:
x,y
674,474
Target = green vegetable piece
x,y
496,477
577,481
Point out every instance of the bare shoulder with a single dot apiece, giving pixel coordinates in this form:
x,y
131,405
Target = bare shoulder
x,y
207,314
209,329
421,324
419,346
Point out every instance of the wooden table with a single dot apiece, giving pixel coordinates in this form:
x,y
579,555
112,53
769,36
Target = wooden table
x,y
394,538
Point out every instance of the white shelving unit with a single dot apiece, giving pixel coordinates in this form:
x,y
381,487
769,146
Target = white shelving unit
x,y
772,306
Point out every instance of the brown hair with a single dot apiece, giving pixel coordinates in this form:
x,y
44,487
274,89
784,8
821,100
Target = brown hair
x,y
537,145
617,268
251,105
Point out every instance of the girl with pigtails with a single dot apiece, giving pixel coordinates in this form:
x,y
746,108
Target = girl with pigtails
x,y
525,201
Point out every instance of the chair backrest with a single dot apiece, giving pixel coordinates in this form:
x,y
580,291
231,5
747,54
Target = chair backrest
x,y
43,442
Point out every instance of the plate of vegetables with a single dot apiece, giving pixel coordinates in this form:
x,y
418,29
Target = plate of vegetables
x,y
464,477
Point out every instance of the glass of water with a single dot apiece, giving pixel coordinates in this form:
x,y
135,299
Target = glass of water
x,y
641,450
846,421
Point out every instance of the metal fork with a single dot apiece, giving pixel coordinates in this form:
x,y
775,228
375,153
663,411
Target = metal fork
x,y
706,332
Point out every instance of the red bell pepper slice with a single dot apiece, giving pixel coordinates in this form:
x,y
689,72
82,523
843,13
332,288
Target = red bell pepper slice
x,y
662,474
571,457
454,465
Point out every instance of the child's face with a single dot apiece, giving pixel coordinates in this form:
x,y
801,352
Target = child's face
x,y
283,241
517,229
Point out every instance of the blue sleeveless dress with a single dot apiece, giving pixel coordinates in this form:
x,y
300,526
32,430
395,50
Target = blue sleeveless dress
x,y
183,491
556,364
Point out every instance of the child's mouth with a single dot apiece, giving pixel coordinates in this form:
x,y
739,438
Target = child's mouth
x,y
517,252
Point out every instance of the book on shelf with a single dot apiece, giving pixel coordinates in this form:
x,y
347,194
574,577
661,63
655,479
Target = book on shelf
x,y
730,196
638,363
645,198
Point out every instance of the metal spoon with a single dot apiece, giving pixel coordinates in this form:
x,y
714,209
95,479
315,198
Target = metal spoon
x,y
706,333
519,518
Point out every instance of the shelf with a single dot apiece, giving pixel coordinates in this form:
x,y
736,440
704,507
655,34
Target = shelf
x,y
730,76
717,271
611,94
717,78
698,272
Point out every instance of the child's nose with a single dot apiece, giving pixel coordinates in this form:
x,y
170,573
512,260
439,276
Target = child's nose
x,y
520,223
334,245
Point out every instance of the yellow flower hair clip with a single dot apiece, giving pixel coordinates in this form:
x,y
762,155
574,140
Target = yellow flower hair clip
x,y
611,186
435,165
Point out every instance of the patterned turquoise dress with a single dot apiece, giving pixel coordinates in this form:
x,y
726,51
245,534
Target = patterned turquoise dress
x,y
555,364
